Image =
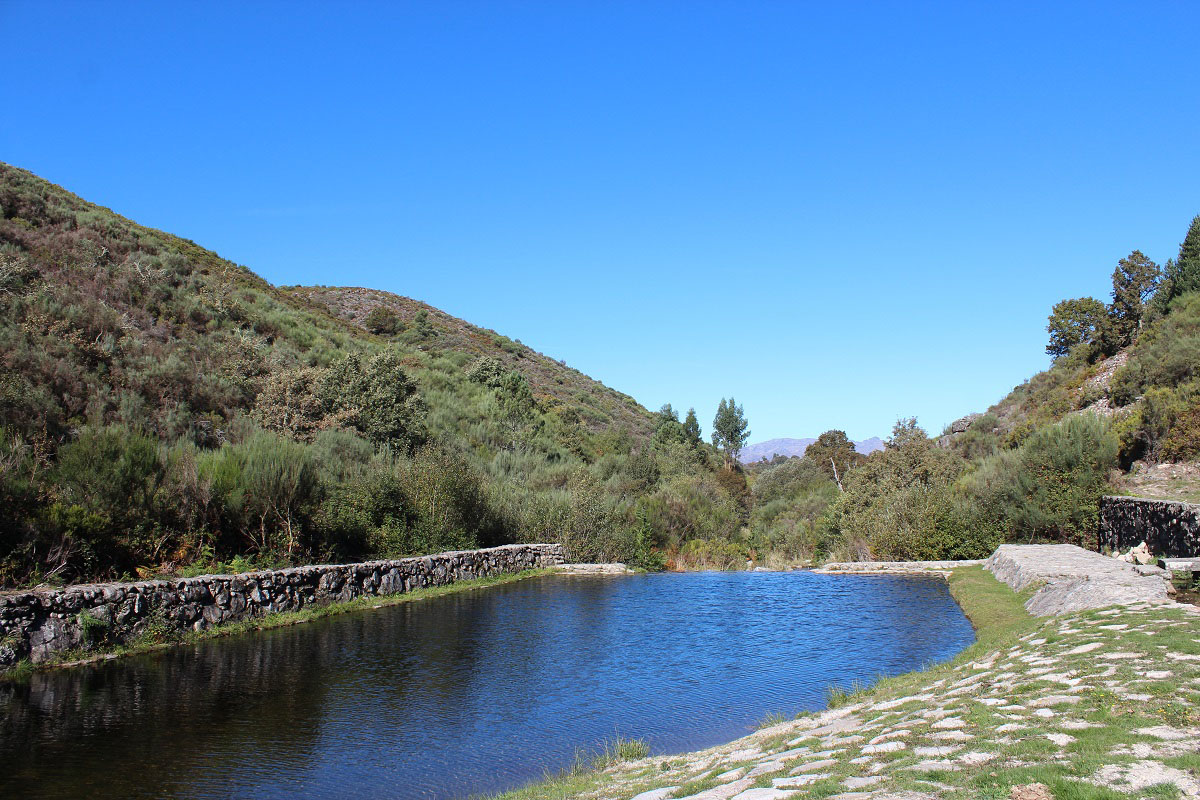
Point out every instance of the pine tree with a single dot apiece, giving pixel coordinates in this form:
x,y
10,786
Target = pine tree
x,y
1134,281
1188,262
1183,274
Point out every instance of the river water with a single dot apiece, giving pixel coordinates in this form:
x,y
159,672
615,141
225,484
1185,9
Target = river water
x,y
470,693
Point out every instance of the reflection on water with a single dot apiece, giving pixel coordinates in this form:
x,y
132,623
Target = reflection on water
x,y
468,693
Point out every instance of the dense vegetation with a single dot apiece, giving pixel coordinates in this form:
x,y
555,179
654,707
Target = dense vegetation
x,y
1124,387
163,410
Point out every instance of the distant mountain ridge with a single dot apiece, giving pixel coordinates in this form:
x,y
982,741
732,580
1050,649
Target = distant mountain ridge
x,y
796,447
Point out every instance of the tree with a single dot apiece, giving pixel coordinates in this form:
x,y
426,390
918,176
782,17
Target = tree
x,y
833,453
730,430
666,414
424,325
289,403
667,427
1134,281
1075,322
691,427
1183,274
392,412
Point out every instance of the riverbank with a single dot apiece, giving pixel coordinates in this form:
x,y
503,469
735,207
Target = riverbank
x,y
154,639
1090,705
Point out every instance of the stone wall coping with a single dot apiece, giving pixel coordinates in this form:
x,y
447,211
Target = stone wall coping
x,y
152,584
1156,500
40,623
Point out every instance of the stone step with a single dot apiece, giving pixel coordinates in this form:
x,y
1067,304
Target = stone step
x,y
1180,564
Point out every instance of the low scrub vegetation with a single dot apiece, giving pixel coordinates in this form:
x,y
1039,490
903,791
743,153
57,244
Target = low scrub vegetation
x,y
1033,468
164,411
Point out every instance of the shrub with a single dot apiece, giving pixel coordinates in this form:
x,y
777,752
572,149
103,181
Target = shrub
x,y
449,502
1167,353
487,371
289,403
265,486
1050,488
382,321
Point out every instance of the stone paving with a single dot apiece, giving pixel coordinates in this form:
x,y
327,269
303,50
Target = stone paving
x,y
1069,578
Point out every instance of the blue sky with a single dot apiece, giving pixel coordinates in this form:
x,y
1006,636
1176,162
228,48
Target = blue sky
x,y
839,213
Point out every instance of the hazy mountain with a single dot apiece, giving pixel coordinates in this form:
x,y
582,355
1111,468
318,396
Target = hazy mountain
x,y
796,447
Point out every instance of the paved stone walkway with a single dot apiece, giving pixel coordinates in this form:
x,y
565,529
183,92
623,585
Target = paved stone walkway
x,y
1103,699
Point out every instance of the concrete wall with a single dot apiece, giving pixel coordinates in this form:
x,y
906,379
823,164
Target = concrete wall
x,y
39,624
1169,528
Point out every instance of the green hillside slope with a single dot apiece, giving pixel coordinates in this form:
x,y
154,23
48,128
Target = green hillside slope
x,y
163,409
1118,411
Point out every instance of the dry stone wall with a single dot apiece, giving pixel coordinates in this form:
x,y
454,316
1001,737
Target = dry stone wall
x,y
1169,528
40,624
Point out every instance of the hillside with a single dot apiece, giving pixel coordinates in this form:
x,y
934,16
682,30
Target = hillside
x,y
1117,411
554,383
164,409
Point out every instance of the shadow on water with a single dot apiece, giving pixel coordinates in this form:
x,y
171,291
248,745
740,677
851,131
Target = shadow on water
x,y
467,693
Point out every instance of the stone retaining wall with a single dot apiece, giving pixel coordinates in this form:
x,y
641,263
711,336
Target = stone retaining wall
x,y
39,624
1169,528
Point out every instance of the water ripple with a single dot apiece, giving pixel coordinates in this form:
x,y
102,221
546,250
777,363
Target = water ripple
x,y
468,693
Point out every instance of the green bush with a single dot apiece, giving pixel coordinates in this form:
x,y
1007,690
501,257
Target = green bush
x,y
265,488
487,371
1050,488
382,321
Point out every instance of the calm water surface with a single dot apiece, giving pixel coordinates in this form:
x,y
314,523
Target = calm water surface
x,y
469,693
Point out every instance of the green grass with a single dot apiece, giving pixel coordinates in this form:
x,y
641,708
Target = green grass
x,y
771,720
585,773
618,749
995,611
162,639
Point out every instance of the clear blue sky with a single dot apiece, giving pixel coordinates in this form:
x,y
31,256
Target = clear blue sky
x,y
840,213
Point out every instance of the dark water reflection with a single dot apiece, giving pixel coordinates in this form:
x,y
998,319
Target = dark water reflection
x,y
468,693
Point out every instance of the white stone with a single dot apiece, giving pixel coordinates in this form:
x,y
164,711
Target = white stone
x,y
972,759
939,750
799,780
762,794
949,723
812,766
657,794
